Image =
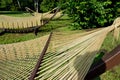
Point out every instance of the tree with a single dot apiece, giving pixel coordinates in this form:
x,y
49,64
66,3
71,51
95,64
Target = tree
x,y
47,5
36,5
18,4
92,13
5,4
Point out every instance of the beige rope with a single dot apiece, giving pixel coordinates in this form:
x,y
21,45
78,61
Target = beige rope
x,y
71,59
68,57
10,22
19,22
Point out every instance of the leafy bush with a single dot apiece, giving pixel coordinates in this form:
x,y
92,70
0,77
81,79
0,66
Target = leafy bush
x,y
92,13
12,5
47,5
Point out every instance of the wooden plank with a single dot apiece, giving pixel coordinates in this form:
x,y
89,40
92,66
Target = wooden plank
x,y
106,63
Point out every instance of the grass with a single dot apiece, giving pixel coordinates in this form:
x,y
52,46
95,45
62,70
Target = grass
x,y
15,13
13,38
113,74
56,25
63,24
109,44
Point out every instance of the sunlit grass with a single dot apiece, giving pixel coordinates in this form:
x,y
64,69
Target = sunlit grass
x,y
15,13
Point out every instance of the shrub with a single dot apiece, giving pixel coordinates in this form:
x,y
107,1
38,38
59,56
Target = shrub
x,y
92,13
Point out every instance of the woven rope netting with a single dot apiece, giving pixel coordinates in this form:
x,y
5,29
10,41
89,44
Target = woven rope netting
x,y
9,22
17,60
47,16
70,59
69,55
19,22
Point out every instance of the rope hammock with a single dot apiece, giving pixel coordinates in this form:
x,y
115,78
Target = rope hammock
x,y
9,22
68,57
18,59
19,22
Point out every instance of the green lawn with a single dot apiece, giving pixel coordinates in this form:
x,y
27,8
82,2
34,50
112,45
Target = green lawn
x,y
15,13
113,74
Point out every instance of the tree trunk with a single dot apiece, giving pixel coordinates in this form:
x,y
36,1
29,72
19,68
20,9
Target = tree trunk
x,y
36,5
19,4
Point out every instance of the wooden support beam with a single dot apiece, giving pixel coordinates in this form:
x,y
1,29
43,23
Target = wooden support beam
x,y
33,74
106,63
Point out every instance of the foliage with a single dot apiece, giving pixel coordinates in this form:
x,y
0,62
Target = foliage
x,y
17,5
12,5
27,3
85,13
92,13
5,4
47,5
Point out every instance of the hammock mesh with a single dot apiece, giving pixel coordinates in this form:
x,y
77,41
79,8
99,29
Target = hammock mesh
x,y
19,22
17,60
68,57
9,22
